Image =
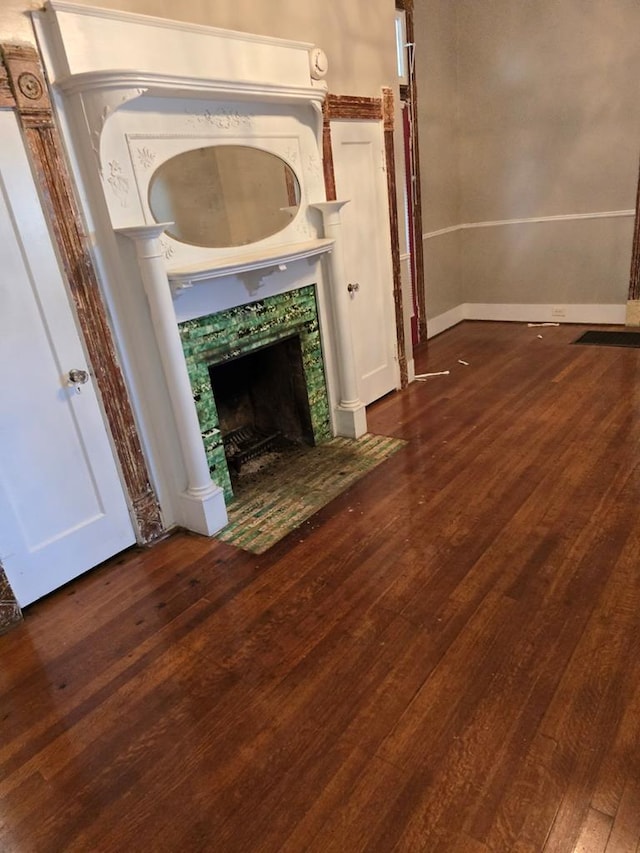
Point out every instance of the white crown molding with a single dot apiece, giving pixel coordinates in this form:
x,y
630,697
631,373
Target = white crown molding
x,y
184,86
497,223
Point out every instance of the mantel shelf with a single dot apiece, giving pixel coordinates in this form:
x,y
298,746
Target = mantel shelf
x,y
256,259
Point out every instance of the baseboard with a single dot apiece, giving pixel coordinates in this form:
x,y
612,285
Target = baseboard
x,y
445,321
535,313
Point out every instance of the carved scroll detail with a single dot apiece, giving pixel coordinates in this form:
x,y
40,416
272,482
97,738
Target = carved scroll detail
x,y
223,118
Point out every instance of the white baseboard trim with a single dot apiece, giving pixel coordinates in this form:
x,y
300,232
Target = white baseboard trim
x,y
535,313
411,369
450,318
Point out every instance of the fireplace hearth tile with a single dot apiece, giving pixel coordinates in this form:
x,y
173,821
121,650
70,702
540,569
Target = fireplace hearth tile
x,y
277,501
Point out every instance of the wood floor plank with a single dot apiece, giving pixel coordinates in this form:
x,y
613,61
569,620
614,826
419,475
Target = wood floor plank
x,y
625,831
594,834
443,659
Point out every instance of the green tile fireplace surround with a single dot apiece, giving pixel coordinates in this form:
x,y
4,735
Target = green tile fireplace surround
x,y
238,331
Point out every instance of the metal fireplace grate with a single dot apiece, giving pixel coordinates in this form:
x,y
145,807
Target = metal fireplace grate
x,y
247,443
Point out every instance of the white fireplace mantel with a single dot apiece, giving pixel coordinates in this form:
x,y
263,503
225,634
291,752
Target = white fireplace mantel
x,y
134,91
255,259
98,48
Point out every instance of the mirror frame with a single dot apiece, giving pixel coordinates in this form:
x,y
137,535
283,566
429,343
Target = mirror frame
x,y
233,216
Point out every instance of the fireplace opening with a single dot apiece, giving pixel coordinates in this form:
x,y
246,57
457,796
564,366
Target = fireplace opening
x,y
262,403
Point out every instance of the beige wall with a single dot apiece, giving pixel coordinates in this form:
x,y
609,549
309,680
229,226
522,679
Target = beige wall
x,y
436,67
436,60
549,116
358,36
548,123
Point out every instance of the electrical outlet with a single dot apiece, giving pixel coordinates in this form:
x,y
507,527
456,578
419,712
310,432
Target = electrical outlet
x,y
558,312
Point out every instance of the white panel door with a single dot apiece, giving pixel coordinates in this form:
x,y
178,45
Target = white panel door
x,y
358,157
62,506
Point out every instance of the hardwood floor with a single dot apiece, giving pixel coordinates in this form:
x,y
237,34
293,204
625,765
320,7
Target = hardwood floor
x,y
445,658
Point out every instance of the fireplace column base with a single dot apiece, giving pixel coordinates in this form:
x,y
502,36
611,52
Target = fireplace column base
x,y
351,422
203,513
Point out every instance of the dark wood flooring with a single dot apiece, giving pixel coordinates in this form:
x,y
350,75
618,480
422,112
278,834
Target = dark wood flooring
x,y
446,658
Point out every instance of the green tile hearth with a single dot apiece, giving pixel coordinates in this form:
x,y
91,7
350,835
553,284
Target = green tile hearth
x,y
274,502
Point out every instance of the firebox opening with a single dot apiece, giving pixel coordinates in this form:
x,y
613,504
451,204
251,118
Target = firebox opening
x,y
262,402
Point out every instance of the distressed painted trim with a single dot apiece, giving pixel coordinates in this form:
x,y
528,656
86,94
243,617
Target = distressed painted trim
x,y
353,107
10,613
497,223
7,101
409,95
59,206
390,162
327,155
634,278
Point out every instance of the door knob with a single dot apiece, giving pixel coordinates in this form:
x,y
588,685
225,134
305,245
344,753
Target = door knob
x,y
353,287
77,378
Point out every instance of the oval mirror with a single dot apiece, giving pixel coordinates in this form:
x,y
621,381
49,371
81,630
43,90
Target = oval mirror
x,y
224,195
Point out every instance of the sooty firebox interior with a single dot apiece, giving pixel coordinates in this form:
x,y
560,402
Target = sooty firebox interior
x,y
262,402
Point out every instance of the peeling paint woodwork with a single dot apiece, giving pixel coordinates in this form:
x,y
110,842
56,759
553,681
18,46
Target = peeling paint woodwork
x,y
388,124
634,281
44,147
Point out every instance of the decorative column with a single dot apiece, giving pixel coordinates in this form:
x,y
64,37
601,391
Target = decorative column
x,y
351,414
202,503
